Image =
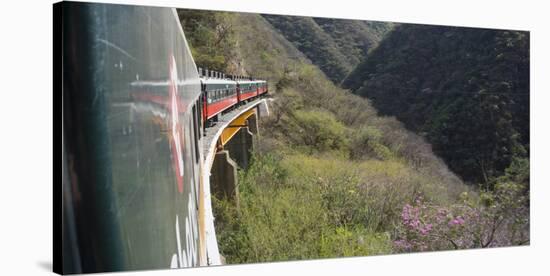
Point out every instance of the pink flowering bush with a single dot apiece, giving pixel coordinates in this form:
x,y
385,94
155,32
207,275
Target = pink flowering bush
x,y
496,218
426,227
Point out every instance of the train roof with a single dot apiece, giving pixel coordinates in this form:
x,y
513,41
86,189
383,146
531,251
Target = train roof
x,y
225,80
250,81
218,81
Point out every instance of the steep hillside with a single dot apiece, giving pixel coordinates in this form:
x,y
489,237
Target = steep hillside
x,y
336,46
211,38
354,38
332,178
466,89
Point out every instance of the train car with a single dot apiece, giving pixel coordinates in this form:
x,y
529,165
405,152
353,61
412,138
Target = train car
x,y
219,94
262,87
247,89
133,109
131,140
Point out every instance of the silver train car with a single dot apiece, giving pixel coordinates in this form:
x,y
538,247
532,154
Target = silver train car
x,y
131,139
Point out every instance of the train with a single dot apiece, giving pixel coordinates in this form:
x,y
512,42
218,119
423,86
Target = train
x,y
133,114
221,92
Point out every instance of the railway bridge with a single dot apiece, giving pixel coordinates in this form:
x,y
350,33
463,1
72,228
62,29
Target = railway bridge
x,y
227,146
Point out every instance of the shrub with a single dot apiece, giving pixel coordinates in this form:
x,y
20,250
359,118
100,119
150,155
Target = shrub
x,y
357,241
497,218
320,131
287,212
367,144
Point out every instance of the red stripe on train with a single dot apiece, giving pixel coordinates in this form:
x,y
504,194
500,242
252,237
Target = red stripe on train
x,y
217,107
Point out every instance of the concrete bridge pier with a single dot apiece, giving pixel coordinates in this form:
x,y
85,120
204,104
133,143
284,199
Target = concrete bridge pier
x,y
240,147
234,150
252,123
223,178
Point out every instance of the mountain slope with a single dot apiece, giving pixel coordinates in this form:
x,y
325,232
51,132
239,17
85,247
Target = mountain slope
x,y
328,171
354,38
466,89
336,46
330,177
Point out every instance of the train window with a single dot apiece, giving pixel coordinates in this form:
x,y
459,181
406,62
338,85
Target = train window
x,y
196,133
199,111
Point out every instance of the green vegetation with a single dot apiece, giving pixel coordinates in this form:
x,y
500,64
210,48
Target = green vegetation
x,y
296,208
354,38
210,36
466,90
495,218
336,46
331,177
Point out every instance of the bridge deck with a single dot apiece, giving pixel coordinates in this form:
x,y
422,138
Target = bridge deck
x,y
213,133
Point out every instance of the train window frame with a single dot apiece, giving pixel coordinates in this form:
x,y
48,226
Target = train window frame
x,y
196,134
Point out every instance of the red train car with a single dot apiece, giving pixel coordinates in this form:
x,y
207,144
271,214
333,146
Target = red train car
x,y
247,89
218,94
221,93
262,87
